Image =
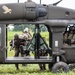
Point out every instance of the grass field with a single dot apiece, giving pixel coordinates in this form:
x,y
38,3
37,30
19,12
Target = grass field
x,y
30,69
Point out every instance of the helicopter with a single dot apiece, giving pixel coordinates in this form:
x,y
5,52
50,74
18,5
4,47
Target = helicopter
x,y
55,18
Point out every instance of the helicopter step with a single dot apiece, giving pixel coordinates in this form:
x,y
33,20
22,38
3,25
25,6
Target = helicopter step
x,y
28,60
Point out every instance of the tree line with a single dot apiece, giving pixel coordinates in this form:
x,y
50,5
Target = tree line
x,y
21,27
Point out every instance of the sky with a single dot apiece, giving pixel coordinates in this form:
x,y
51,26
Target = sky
x,y
64,3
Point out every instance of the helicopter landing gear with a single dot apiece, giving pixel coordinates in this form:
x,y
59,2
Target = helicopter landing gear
x,y
60,67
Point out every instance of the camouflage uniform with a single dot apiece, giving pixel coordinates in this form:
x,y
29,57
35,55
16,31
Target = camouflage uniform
x,y
73,40
18,43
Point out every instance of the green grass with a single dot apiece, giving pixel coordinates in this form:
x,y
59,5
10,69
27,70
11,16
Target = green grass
x,y
30,69
11,34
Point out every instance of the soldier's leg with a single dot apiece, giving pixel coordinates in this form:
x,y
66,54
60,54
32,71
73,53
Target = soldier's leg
x,y
27,53
16,55
44,67
40,66
22,54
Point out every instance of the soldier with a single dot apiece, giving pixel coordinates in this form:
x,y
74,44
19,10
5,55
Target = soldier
x,y
18,43
69,36
72,34
26,34
26,31
27,37
16,47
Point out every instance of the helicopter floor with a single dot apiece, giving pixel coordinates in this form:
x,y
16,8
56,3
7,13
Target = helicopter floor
x,y
28,60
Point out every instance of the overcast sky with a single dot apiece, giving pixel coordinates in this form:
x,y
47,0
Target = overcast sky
x,y
64,3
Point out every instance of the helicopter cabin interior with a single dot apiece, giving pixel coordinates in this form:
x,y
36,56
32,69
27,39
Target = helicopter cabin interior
x,y
7,53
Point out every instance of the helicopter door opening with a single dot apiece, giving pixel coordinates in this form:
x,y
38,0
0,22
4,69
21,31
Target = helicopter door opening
x,y
69,35
17,30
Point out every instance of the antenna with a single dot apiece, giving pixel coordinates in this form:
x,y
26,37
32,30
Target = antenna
x,y
57,2
40,1
18,1
29,0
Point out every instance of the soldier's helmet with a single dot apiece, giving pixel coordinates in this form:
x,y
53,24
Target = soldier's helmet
x,y
26,30
72,28
16,36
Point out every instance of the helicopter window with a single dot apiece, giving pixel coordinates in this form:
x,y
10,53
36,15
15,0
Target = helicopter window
x,y
69,35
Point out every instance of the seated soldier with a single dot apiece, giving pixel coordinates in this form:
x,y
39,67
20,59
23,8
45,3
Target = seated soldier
x,y
69,36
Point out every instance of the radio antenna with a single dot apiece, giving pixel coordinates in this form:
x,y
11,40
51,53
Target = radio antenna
x,y
40,1
18,1
29,0
57,2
